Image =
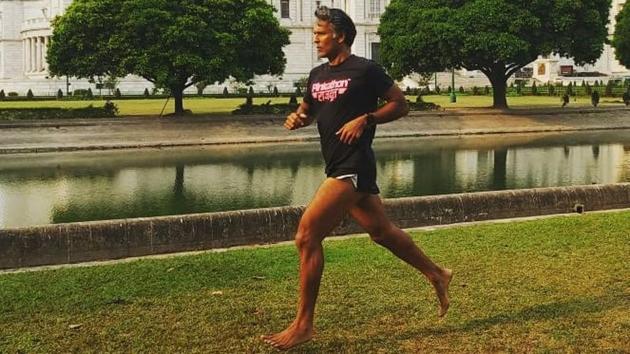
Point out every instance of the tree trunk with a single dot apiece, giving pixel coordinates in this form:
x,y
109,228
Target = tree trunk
x,y
498,80
178,96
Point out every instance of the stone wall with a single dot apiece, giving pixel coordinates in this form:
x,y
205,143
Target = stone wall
x,y
90,241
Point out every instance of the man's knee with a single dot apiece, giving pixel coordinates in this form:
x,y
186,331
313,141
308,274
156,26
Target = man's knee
x,y
306,238
381,234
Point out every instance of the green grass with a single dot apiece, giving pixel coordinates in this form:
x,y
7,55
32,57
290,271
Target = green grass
x,y
201,106
135,107
465,101
554,285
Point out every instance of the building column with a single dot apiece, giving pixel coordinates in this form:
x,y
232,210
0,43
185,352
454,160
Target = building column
x,y
46,43
33,54
24,57
38,53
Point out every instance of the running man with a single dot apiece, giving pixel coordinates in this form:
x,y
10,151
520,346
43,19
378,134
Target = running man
x,y
342,96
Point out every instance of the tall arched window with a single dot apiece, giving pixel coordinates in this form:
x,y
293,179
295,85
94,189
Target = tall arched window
x,y
284,9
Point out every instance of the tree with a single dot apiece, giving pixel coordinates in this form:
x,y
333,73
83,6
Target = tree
x,y
29,94
146,92
497,37
159,40
59,94
621,36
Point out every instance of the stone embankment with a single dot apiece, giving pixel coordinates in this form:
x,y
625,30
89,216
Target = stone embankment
x,y
90,241
128,133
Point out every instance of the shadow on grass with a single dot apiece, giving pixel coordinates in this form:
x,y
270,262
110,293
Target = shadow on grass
x,y
549,311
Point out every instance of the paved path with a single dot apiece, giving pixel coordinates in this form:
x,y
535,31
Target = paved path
x,y
122,133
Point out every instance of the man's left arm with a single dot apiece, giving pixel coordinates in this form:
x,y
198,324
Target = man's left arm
x,y
394,108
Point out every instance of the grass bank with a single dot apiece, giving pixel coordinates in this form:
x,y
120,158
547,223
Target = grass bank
x,y
551,285
202,106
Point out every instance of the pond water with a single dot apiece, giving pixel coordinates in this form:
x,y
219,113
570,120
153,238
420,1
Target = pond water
x,y
48,188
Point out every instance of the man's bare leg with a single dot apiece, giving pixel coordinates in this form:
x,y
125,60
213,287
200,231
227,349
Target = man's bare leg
x,y
331,202
370,214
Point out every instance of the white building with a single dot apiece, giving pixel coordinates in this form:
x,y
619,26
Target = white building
x,y
25,33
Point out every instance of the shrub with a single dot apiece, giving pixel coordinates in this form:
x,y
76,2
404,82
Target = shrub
x,y
249,101
587,89
486,90
293,100
609,89
59,94
569,90
449,89
626,98
251,91
461,89
298,92
2,95
437,89
595,98
534,89
275,91
29,94
117,93
89,94
266,108
108,111
225,91
552,90
475,90
146,92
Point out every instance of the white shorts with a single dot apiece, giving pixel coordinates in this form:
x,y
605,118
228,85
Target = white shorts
x,y
353,177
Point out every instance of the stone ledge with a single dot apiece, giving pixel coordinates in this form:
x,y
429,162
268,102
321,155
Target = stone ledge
x,y
115,239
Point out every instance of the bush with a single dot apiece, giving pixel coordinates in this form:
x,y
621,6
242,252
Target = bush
x,y
225,91
587,89
534,89
266,108
251,91
437,89
626,98
29,94
117,93
420,105
275,91
486,90
461,89
89,94
293,100
552,90
108,111
146,92
298,92
475,90
569,90
595,98
249,101
609,89
59,94
2,95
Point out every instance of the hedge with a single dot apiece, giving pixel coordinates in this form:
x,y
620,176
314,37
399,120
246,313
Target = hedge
x,y
108,111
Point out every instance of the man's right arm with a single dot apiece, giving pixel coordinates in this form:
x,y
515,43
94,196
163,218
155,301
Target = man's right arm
x,y
300,118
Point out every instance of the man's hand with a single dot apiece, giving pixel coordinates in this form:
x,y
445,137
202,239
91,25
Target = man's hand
x,y
296,121
352,131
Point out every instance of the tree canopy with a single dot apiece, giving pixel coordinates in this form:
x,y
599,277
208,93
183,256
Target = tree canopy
x,y
172,43
497,37
621,37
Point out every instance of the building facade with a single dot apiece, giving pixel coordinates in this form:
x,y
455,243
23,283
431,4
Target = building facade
x,y
25,33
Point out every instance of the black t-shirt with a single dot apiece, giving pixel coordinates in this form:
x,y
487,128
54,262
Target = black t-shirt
x,y
337,95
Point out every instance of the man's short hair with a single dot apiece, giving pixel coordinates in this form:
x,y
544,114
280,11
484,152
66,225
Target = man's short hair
x,y
340,21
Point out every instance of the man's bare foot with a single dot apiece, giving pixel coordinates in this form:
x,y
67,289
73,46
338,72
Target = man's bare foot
x,y
441,289
289,338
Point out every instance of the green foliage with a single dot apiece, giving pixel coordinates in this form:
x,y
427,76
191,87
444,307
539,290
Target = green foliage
x,y
59,94
461,89
608,91
569,90
551,89
251,91
587,89
109,110
621,37
437,89
275,91
2,95
486,90
117,93
498,37
29,94
201,85
595,98
172,43
267,108
534,89
298,92
146,92
225,91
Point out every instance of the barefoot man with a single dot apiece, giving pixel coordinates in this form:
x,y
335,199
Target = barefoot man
x,y
342,97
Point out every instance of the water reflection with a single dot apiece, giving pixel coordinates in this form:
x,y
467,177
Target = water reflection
x,y
54,188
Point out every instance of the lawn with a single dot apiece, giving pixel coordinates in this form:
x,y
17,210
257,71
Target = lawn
x,y
553,285
198,105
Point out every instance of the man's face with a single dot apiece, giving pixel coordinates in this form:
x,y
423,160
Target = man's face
x,y
327,42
